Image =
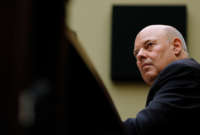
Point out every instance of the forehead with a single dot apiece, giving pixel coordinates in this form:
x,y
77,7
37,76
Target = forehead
x,y
150,33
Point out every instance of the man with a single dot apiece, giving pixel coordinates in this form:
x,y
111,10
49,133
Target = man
x,y
173,102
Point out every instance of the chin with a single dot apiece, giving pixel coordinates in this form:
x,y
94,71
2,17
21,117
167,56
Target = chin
x,y
148,82
149,78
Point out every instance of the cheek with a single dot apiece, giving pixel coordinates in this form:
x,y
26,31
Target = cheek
x,y
155,55
157,59
158,63
158,51
161,60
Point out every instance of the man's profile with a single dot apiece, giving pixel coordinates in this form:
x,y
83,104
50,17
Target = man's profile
x,y
173,102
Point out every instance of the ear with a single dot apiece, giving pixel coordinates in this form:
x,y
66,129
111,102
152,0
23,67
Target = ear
x,y
177,46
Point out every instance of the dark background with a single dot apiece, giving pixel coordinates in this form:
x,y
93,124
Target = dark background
x,y
127,21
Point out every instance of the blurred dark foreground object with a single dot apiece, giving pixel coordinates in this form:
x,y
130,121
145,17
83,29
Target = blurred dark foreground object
x,y
48,84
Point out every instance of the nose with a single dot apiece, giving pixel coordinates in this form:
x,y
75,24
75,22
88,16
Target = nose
x,y
141,55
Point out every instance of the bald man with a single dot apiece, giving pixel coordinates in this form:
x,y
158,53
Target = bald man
x,y
173,102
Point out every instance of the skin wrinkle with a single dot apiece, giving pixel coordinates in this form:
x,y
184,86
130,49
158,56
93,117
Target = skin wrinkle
x,y
156,46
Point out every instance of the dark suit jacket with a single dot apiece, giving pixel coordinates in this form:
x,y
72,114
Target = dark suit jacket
x,y
173,103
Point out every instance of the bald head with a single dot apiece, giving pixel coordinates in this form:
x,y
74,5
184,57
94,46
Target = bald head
x,y
171,33
156,46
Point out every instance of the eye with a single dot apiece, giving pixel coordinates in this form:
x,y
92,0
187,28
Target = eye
x,y
148,45
135,53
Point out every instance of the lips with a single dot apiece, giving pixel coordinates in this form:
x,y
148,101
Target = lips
x,y
145,65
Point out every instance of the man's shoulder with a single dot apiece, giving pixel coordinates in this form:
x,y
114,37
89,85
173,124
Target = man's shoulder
x,y
183,71
182,74
189,62
183,67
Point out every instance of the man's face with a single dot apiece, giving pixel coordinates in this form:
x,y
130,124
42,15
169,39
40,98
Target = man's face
x,y
153,52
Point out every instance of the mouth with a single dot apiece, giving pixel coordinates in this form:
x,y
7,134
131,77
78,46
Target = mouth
x,y
145,66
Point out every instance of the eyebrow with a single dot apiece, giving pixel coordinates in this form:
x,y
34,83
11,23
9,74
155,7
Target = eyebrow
x,y
149,40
